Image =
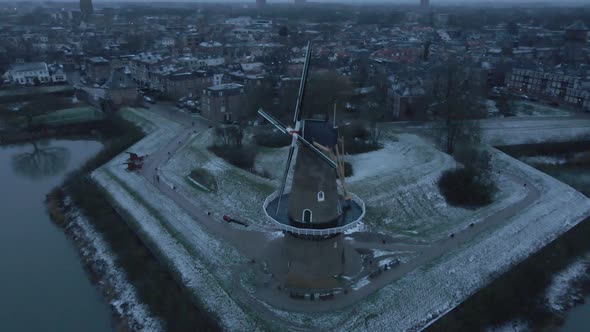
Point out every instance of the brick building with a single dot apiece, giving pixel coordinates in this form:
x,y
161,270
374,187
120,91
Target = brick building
x,y
541,83
98,69
121,89
407,101
189,82
550,86
224,103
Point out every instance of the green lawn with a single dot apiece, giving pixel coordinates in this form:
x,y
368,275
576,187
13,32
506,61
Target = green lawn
x,y
69,116
35,90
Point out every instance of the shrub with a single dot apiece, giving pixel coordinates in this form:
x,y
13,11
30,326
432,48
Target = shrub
x,y
242,157
359,139
348,171
354,130
272,140
204,178
466,187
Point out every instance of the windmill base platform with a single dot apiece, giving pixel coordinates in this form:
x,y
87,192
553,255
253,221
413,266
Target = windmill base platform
x,y
352,215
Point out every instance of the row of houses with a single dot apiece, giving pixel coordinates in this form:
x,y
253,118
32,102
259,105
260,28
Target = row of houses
x,y
35,73
554,86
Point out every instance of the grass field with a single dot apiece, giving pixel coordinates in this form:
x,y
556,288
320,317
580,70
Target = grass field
x,y
35,90
69,116
398,184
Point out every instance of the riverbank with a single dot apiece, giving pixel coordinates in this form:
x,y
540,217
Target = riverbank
x,y
65,131
129,313
519,294
166,300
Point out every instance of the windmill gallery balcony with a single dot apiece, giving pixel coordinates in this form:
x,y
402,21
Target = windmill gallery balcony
x,y
350,217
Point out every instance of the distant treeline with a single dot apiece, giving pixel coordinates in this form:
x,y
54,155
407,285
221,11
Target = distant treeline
x,y
550,17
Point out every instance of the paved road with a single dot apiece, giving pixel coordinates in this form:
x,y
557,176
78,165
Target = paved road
x,y
250,243
494,122
515,130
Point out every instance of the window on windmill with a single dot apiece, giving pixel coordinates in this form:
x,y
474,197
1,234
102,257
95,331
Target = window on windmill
x,y
320,196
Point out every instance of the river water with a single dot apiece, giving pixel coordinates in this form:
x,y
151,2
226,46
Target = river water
x,y
43,286
578,319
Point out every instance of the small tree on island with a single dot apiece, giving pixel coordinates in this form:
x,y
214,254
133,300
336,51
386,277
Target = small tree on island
x,y
456,107
229,146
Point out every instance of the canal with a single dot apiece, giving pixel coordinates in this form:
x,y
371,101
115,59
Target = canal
x,y
578,319
568,162
43,286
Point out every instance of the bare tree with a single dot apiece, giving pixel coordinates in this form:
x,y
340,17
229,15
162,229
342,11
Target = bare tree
x,y
260,96
43,161
455,105
505,104
323,90
375,133
40,104
229,136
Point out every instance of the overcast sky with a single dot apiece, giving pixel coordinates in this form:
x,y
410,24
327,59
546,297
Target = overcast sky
x,y
433,2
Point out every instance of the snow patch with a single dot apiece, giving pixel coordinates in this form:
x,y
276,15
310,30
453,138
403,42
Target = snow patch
x,y
125,301
517,325
562,292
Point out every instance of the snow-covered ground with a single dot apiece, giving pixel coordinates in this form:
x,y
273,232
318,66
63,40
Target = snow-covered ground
x,y
239,193
398,185
97,252
544,160
526,108
563,291
523,108
511,326
171,233
513,130
424,294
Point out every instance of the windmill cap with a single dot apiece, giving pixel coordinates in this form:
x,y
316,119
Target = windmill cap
x,y
320,131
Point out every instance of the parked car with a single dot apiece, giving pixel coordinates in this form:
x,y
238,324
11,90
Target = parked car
x,y
181,102
149,100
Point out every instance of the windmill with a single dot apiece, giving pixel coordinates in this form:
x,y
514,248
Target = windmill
x,y
314,201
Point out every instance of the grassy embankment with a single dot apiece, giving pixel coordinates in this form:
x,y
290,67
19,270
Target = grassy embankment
x,y
154,283
518,293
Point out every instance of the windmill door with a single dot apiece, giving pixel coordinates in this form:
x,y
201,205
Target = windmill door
x,y
307,216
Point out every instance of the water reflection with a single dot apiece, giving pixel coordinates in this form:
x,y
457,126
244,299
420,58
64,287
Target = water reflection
x,y
43,161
